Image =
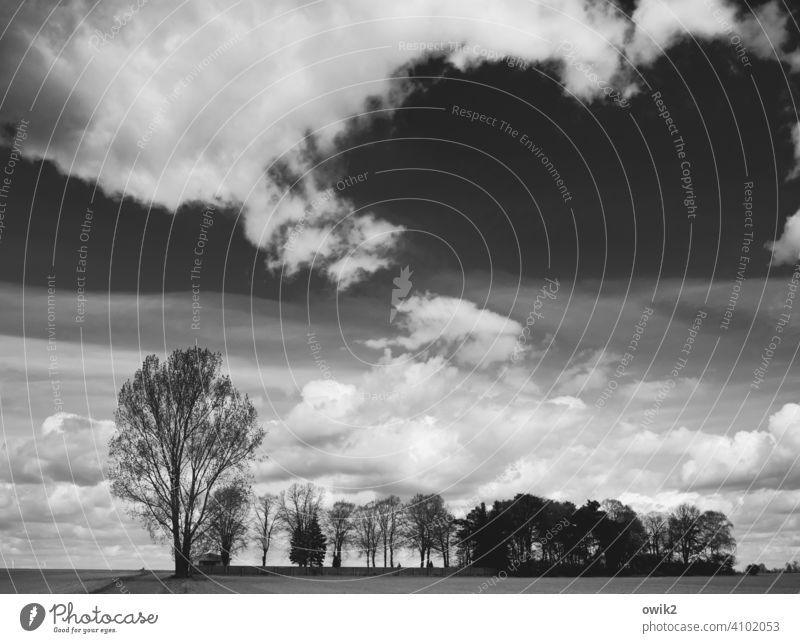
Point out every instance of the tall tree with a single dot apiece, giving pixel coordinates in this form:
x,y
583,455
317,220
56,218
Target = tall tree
x,y
298,509
444,532
716,539
316,543
308,544
683,527
339,523
655,525
227,525
298,552
474,538
525,518
566,535
182,431
298,505
390,518
368,530
266,521
620,534
422,512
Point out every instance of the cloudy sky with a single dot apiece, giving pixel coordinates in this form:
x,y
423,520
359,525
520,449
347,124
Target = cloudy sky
x,y
595,203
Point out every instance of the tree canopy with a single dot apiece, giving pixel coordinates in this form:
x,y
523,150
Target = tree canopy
x,y
182,431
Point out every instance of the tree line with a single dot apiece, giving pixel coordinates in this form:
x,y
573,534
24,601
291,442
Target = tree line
x,y
185,439
375,531
538,536
526,535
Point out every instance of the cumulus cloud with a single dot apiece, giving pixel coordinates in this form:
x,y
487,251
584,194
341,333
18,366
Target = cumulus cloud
x,y
203,101
476,336
660,24
747,458
786,250
65,448
412,423
766,32
762,32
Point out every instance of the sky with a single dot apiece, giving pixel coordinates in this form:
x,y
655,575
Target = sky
x,y
444,247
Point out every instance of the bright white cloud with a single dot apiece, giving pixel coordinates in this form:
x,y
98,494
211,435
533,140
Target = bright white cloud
x,y
476,336
747,458
661,24
766,32
786,250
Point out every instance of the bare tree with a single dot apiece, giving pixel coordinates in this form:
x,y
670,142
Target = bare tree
x,y
227,524
684,532
444,530
655,526
182,431
339,524
298,505
390,517
423,512
266,521
716,539
368,530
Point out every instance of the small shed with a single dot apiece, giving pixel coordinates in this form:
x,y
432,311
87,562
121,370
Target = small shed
x,y
209,558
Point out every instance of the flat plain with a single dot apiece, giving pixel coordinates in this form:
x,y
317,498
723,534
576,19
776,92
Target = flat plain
x,y
33,581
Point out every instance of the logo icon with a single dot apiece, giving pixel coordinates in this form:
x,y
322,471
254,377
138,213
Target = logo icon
x,y
400,292
31,616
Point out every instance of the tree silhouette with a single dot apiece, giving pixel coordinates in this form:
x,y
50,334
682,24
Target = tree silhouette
x,y
227,525
368,530
182,431
266,510
308,544
684,532
339,521
317,544
423,512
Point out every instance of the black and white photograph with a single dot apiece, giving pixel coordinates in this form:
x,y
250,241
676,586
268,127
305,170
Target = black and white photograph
x,y
358,298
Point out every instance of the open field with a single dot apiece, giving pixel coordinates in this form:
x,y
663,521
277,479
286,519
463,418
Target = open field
x,y
65,581
58,581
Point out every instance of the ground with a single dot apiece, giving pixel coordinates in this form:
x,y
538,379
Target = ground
x,y
57,581
159,582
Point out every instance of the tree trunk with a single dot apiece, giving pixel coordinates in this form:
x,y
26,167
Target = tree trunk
x,y
176,554
263,558
183,561
373,559
181,566
391,556
421,557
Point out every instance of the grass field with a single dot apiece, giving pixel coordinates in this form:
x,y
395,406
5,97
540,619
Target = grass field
x,y
79,581
57,581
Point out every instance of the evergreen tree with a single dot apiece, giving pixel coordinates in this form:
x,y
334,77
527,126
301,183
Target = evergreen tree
x,y
316,544
308,544
298,553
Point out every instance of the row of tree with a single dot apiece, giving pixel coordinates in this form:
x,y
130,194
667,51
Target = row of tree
x,y
185,439
525,535
385,525
534,535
